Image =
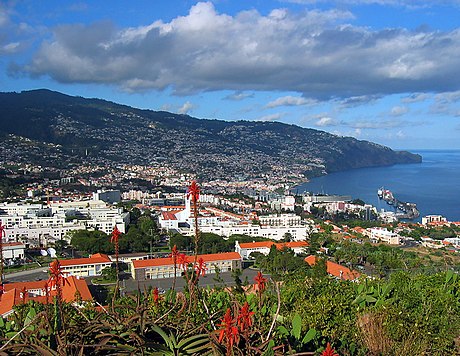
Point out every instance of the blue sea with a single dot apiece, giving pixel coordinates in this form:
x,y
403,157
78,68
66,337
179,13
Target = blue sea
x,y
434,184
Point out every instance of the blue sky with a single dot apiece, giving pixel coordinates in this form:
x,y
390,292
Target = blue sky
x,y
386,71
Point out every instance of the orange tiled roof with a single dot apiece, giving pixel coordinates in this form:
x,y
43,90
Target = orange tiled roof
x,y
169,261
94,259
13,291
168,215
335,269
7,300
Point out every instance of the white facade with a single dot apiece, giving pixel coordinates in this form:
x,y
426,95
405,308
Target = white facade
x,y
455,241
280,220
382,234
19,208
37,225
433,219
13,250
263,247
268,232
42,236
86,267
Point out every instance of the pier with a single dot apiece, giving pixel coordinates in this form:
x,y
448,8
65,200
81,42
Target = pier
x,y
407,210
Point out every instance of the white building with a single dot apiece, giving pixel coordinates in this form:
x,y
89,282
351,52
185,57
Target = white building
x,y
246,248
157,268
12,251
383,235
455,241
268,232
38,236
433,219
86,267
281,220
227,224
38,225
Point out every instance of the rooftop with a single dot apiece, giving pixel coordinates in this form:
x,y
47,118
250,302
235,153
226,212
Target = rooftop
x,y
169,261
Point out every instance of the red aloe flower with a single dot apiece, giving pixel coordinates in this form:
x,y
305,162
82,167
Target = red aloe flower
x,y
244,318
57,278
115,235
194,192
183,261
329,351
24,295
229,331
200,267
47,293
261,281
174,254
155,295
114,239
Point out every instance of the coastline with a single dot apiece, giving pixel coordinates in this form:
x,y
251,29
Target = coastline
x,y
429,184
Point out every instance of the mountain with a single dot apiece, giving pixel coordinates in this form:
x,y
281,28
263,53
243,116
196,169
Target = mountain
x,y
51,128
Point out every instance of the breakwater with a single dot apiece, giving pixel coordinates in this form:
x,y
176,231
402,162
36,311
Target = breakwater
x,y
404,210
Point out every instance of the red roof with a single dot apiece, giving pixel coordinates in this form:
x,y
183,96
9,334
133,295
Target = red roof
x,y
13,291
94,259
169,261
168,215
335,269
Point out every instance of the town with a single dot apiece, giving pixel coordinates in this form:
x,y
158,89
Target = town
x,y
49,221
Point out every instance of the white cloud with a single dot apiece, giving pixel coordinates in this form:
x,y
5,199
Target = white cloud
x,y
186,108
237,96
271,117
290,101
415,98
359,100
314,53
326,121
399,110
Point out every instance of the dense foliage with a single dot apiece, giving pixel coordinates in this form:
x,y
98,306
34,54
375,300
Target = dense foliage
x,y
404,315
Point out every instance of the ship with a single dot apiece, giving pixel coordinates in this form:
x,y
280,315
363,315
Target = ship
x,y
386,195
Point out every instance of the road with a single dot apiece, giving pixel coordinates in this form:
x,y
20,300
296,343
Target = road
x,y
130,285
28,275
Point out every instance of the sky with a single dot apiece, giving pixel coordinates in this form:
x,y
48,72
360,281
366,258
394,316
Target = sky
x,y
386,71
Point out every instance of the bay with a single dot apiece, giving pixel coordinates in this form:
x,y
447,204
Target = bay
x,y
434,184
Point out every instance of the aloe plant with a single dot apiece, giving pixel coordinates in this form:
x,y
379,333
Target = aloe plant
x,y
173,345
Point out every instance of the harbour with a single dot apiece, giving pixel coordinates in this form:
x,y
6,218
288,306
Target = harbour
x,y
432,184
403,210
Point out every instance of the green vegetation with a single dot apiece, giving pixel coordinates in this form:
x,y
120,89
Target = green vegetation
x,y
142,234
437,233
407,314
210,243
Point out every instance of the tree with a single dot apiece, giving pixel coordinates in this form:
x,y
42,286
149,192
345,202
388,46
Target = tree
x,y
183,243
91,241
287,237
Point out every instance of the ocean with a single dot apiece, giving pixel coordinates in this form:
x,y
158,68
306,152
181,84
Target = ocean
x,y
434,184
